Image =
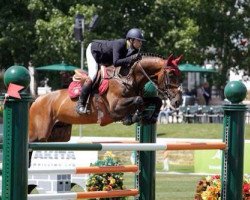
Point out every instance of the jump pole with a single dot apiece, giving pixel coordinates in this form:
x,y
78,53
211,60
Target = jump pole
x,y
15,142
146,133
233,136
66,146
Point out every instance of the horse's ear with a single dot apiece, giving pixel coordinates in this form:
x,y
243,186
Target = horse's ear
x,y
169,60
177,60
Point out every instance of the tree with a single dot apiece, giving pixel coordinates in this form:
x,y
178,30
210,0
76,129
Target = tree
x,y
224,25
17,33
215,31
54,32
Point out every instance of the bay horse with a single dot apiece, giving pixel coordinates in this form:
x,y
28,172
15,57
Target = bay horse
x,y
51,115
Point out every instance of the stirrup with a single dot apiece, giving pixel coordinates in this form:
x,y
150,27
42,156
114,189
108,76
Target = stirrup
x,y
81,110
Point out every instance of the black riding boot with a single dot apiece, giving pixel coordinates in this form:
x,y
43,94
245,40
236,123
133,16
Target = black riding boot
x,y
81,107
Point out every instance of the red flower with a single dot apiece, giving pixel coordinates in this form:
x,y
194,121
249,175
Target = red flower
x,y
216,177
246,188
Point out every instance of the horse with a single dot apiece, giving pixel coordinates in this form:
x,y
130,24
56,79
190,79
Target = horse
x,y
51,115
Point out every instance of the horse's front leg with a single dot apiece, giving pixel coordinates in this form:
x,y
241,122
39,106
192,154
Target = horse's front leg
x,y
124,109
157,103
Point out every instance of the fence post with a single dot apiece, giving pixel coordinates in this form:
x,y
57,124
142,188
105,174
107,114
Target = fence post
x,y
15,142
233,136
146,133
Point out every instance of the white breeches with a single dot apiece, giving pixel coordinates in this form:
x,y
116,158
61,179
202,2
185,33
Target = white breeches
x,y
91,63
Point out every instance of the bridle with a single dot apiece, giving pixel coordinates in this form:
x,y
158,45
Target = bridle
x,y
166,80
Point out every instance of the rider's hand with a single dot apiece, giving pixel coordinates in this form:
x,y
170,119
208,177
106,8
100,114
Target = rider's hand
x,y
135,57
138,56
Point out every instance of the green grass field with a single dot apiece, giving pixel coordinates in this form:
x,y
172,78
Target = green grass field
x,y
206,131
170,187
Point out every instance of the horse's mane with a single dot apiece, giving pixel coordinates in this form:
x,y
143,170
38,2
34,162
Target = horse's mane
x,y
152,55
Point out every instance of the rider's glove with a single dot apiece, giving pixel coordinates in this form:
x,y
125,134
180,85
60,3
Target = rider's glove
x,y
135,58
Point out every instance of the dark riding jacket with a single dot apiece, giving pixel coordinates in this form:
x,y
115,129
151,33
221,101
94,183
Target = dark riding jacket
x,y
113,52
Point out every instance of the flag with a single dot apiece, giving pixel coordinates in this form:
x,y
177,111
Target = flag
x,y
13,90
78,27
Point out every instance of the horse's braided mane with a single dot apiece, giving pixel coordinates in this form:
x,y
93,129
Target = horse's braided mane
x,y
152,55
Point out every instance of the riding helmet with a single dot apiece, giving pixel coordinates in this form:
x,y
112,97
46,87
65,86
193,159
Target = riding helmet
x,y
135,33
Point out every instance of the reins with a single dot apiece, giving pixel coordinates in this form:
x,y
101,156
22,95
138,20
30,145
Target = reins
x,y
150,80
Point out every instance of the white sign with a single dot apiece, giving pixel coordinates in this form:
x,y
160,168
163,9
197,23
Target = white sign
x,y
62,159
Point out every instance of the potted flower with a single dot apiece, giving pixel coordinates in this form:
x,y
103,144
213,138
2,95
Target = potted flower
x,y
106,181
209,188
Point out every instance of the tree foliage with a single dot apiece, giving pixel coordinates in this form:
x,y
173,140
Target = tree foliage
x,y
201,30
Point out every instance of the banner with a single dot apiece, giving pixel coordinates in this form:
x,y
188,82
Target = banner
x,y
210,161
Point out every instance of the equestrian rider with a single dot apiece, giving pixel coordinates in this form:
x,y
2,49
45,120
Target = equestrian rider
x,y
120,52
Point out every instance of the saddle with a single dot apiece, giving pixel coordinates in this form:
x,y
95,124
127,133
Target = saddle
x,y
104,74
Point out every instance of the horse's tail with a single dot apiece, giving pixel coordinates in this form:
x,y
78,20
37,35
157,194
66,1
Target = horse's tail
x,y
61,132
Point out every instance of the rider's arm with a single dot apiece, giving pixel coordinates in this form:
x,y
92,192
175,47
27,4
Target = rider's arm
x,y
119,58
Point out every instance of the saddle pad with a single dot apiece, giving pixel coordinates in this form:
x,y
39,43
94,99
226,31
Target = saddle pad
x,y
75,86
103,86
104,81
74,89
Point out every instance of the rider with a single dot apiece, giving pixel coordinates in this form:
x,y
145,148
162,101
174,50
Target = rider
x,y
120,52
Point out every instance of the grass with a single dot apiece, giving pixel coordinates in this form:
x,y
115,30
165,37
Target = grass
x,y
168,186
206,131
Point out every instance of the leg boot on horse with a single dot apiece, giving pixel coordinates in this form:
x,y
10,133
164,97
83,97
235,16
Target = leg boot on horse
x,y
81,107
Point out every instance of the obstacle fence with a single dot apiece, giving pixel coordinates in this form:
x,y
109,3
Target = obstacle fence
x,y
87,170
127,147
84,195
15,148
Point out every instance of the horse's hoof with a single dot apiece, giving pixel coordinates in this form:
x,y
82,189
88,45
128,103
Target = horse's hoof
x,y
127,121
139,101
136,117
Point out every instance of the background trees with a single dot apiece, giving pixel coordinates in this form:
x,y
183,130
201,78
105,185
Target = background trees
x,y
201,30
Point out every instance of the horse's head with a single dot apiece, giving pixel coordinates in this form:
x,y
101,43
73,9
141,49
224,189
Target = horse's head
x,y
169,81
164,73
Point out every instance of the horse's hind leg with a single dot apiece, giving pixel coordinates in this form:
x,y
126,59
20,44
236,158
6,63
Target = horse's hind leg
x,y
40,127
61,132
39,130
31,152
